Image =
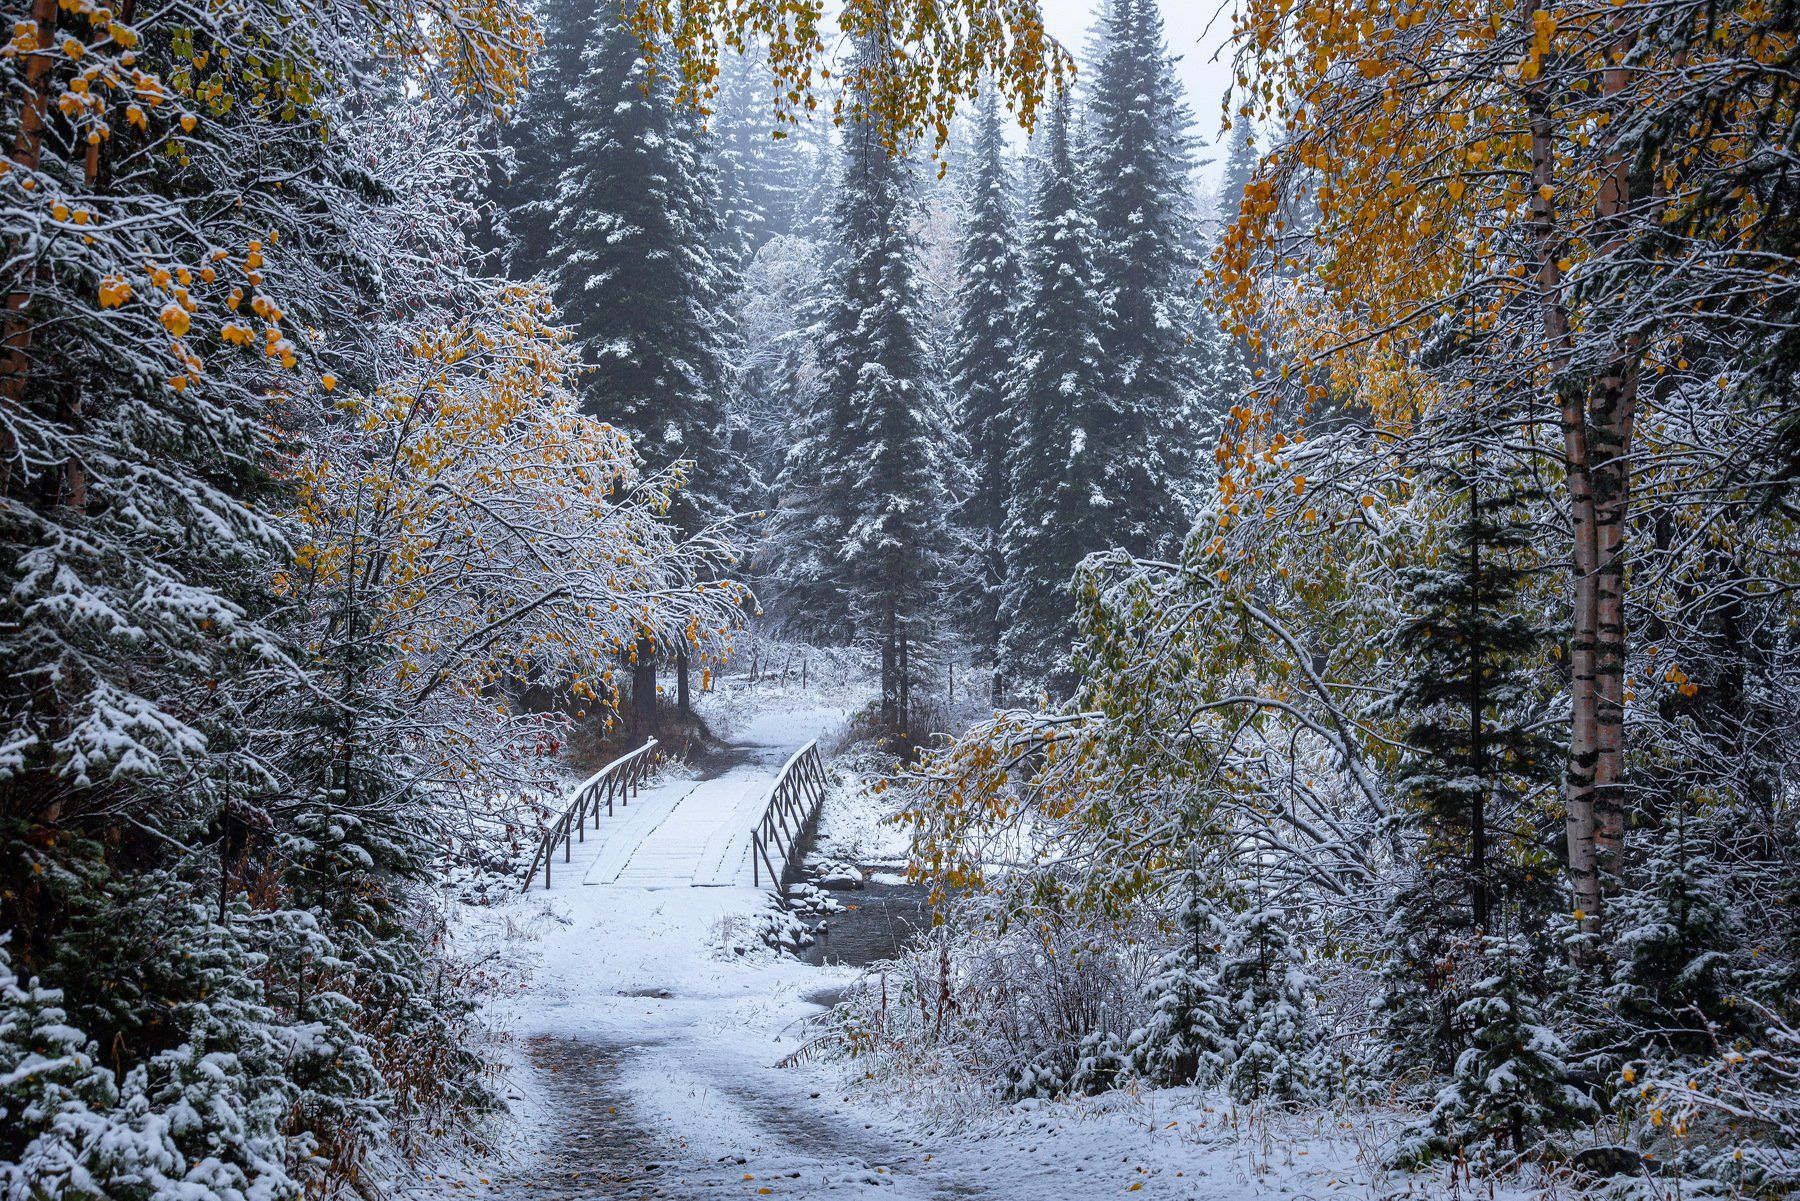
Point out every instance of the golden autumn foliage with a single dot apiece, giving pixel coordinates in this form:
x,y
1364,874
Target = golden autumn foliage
x,y
935,55
492,533
1462,155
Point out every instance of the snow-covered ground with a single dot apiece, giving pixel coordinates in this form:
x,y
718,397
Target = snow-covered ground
x,y
853,823
646,1035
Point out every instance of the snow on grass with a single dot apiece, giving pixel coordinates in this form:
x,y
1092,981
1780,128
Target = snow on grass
x,y
775,691
853,819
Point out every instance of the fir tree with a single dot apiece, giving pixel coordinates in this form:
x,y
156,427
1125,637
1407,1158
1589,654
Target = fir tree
x,y
760,165
862,536
1232,369
1512,1086
1100,1062
633,243
985,346
1271,1009
1473,754
1422,982
1058,508
524,193
1673,976
1184,1040
1138,163
1472,757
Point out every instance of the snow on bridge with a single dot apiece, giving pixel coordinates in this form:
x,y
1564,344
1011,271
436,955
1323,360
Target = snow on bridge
x,y
678,833
681,832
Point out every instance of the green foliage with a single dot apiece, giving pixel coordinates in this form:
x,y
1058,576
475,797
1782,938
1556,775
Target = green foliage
x,y
1676,952
634,250
1271,1015
1185,1039
1513,1086
1057,507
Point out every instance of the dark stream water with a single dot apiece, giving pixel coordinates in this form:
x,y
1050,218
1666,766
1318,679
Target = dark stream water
x,y
877,922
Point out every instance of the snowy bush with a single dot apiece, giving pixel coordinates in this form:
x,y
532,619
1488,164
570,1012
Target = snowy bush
x,y
1270,1010
1184,1039
1031,1011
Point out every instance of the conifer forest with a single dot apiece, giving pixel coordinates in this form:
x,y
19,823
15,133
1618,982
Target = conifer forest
x,y
1033,599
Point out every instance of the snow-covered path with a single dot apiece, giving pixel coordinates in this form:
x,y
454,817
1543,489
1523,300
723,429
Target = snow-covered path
x,y
644,1044
644,1047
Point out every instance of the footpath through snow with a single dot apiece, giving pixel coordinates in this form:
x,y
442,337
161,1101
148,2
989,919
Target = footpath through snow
x,y
643,1049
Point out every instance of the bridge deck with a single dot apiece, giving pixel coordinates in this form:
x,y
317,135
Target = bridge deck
x,y
679,833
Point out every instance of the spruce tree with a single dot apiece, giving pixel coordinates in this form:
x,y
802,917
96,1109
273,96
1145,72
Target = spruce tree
x,y
1673,976
1472,752
1471,758
1231,371
1240,166
1058,508
1270,1008
760,164
1138,164
536,140
1512,1087
1184,1041
1422,977
632,242
983,356
862,535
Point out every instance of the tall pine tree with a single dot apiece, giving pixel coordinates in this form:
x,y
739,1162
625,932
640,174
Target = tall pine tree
x,y
1058,505
633,243
1138,160
862,536
985,346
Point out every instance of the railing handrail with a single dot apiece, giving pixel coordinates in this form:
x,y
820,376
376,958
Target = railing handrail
x,y
794,798
618,781
788,767
649,746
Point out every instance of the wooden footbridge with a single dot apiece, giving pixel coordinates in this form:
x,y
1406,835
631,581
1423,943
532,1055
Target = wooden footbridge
x,y
628,826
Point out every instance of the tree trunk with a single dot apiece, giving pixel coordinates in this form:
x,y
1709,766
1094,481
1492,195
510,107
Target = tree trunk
x,y
904,683
1579,774
1478,869
1613,409
27,154
643,689
890,689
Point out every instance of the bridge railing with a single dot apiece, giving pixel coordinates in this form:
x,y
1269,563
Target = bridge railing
x,y
617,782
793,800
